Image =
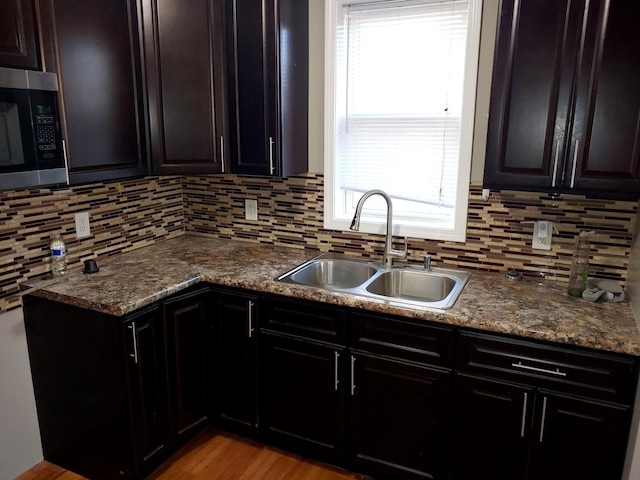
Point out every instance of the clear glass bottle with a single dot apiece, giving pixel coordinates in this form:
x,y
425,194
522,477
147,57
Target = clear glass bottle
x,y
58,256
579,265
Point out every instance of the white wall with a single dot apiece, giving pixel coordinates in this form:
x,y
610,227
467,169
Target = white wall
x,y
20,447
632,468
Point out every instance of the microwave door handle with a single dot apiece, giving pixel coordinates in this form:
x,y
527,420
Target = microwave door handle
x,y
66,162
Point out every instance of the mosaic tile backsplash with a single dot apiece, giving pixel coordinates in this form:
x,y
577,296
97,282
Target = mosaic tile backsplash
x,y
122,215
290,212
130,214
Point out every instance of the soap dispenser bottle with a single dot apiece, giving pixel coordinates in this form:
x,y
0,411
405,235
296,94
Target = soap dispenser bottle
x,y
579,265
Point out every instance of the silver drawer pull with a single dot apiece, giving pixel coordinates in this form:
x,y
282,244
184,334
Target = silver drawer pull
x,y
544,418
336,380
251,304
539,370
353,375
524,414
134,355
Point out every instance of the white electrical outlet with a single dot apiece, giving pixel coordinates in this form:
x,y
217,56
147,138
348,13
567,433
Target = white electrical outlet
x,y
82,225
250,209
542,235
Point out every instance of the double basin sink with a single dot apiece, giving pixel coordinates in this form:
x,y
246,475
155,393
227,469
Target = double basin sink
x,y
408,286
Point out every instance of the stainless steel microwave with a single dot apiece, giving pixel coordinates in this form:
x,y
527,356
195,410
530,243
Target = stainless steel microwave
x,y
31,148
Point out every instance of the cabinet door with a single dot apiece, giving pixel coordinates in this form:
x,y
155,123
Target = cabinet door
x,y
268,86
302,399
578,438
18,37
94,48
236,361
398,417
147,387
184,61
605,149
530,93
491,429
187,337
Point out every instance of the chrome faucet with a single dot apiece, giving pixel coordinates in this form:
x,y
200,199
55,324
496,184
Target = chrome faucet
x,y
389,252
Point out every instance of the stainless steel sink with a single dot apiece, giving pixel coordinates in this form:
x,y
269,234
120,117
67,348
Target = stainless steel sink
x,y
331,273
412,285
405,286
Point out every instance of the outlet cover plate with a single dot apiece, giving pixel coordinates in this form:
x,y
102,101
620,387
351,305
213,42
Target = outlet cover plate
x,y
82,225
542,235
250,209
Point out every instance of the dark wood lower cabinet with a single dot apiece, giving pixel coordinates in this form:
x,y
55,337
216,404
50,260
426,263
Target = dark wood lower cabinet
x,y
236,355
530,410
491,429
115,395
398,417
578,438
382,395
302,402
146,386
188,337
505,431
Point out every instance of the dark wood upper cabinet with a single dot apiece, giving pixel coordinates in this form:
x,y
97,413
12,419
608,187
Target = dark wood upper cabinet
x,y
95,49
268,55
564,99
18,35
184,58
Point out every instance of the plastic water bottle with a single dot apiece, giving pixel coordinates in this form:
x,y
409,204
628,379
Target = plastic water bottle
x,y
58,257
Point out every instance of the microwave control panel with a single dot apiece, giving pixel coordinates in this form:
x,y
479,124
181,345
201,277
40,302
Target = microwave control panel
x,y
48,140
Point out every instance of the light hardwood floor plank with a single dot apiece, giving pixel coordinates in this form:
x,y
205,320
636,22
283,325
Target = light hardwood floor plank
x,y
216,455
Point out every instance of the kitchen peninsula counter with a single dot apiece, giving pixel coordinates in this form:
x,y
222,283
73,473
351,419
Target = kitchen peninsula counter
x,y
526,308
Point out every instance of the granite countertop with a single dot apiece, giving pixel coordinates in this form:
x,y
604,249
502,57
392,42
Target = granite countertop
x,y
527,308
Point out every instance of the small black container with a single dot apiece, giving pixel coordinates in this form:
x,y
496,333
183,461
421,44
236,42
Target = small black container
x,y
90,266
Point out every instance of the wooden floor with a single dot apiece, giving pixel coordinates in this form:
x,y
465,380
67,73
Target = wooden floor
x,y
214,455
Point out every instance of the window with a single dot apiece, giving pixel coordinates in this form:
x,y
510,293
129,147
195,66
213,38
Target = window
x,y
399,106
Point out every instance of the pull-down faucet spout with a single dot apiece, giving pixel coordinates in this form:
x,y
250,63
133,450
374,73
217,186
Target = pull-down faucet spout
x,y
389,252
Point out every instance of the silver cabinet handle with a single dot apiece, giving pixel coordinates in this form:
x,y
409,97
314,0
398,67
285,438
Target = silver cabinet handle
x,y
575,163
135,342
353,375
539,370
524,414
544,416
251,304
555,164
336,356
271,166
222,153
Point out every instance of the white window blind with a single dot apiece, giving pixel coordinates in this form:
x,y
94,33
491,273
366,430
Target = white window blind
x,y
399,78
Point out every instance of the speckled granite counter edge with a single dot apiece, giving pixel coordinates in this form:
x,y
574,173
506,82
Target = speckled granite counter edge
x,y
486,304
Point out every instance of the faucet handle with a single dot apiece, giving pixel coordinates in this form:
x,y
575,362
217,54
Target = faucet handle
x,y
427,263
401,253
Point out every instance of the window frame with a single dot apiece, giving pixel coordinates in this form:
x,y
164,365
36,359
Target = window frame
x,y
374,221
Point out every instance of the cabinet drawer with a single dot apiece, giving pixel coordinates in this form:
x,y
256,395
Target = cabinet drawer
x,y
401,337
309,319
596,374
